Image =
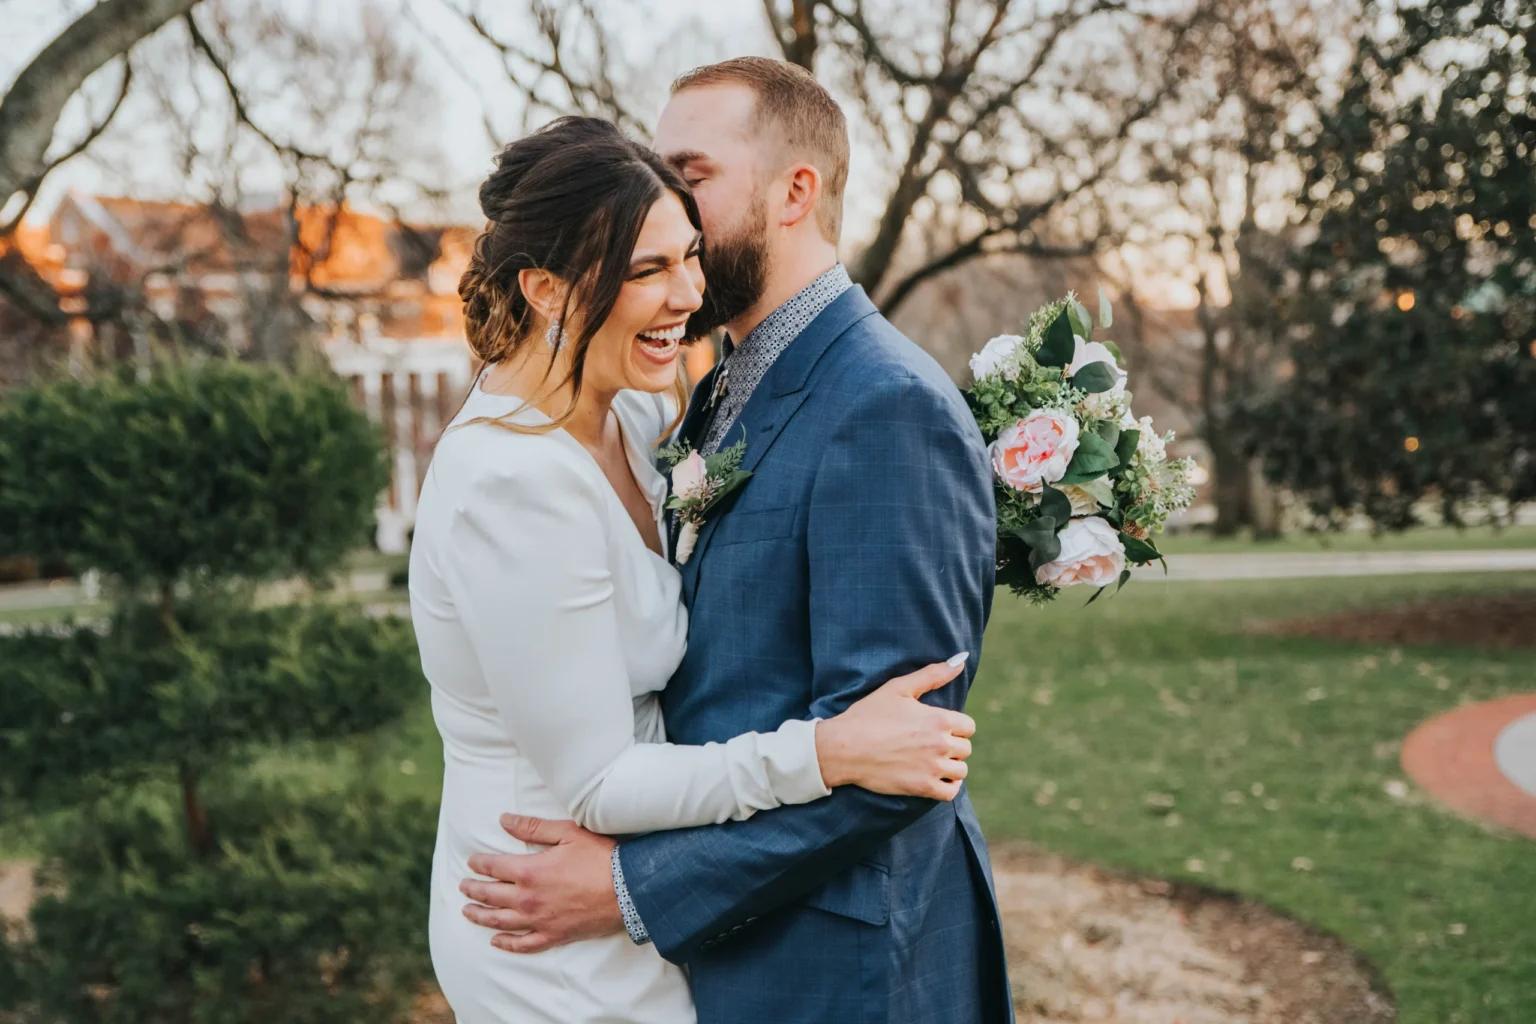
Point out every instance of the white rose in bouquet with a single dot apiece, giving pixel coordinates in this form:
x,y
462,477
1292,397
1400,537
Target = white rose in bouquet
x,y
1091,552
997,355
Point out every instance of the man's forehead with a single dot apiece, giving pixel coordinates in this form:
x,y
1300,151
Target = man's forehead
x,y
697,118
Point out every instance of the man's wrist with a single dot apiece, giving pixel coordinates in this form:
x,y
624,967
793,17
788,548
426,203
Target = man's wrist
x,y
632,923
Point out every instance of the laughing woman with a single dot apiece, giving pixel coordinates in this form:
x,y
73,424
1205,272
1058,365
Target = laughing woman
x,y
547,611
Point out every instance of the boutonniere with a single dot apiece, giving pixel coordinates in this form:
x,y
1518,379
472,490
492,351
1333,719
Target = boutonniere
x,y
699,482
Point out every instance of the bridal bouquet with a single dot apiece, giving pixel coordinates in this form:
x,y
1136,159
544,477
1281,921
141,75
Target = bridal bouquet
x,y
1082,485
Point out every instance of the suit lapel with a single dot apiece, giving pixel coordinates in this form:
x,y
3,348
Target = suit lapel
x,y
777,398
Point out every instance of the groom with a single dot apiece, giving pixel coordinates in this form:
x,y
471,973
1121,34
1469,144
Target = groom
x,y
861,549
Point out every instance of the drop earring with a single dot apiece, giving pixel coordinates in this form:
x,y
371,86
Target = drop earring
x,y
554,336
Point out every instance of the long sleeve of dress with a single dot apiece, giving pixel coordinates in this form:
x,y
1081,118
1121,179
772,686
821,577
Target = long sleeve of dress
x,y
527,570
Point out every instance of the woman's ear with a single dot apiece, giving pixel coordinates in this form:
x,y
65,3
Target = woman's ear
x,y
543,291
804,188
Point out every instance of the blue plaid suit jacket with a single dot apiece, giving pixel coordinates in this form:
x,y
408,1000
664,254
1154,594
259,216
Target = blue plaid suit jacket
x,y
862,548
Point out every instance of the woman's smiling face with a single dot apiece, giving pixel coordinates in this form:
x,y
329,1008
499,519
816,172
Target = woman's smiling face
x,y
638,345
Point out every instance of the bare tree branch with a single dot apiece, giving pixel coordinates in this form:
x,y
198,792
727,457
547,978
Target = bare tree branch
x,y
587,83
30,186
32,106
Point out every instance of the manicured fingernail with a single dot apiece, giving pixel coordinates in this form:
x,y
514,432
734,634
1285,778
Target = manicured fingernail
x,y
958,659
510,821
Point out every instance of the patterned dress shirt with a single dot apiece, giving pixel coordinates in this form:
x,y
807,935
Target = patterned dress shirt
x,y
744,367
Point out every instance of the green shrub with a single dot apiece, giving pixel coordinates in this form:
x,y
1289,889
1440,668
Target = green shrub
x,y
213,469
179,890
310,910
93,705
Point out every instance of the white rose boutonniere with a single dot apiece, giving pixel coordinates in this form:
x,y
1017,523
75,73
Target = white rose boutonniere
x,y
699,482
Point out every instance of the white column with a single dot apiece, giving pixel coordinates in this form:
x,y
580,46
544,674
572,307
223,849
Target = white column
x,y
372,394
405,447
429,424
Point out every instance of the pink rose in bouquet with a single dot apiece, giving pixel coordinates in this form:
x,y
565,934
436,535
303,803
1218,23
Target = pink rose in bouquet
x,y
1035,451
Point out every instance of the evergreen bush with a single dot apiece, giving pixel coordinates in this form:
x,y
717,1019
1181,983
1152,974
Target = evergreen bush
x,y
181,885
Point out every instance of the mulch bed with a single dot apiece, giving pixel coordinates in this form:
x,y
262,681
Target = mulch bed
x,y
1086,944
1499,621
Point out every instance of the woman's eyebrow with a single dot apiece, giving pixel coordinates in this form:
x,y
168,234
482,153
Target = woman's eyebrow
x,y
661,259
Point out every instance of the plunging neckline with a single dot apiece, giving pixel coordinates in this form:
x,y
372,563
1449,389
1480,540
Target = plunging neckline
x,y
634,460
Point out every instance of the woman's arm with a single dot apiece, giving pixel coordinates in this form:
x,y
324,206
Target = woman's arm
x,y
527,568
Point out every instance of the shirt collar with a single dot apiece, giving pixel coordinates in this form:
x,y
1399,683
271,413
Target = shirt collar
x,y
811,299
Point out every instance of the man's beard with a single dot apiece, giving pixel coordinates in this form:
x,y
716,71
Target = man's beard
x,y
735,272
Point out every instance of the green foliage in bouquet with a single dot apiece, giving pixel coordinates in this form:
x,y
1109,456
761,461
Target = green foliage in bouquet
x,y
1080,484
175,890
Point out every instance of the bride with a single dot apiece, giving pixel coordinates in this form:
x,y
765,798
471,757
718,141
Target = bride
x,y
547,611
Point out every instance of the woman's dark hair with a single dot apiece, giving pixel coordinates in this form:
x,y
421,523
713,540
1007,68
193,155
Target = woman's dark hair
x,y
571,199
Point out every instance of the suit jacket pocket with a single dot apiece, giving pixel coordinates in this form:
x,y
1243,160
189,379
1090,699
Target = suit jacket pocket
x,y
745,525
863,892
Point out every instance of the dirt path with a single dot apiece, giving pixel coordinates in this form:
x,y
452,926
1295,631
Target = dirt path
x,y
1085,945
1088,946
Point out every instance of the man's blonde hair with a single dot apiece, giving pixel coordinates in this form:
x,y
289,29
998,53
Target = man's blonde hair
x,y
803,113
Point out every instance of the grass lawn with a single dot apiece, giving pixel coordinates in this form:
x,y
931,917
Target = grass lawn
x,y
1150,733
1424,538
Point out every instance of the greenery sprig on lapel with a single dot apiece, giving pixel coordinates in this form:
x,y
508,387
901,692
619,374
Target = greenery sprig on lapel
x,y
699,483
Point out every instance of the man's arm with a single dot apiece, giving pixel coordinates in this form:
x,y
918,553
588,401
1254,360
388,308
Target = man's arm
x,y
901,540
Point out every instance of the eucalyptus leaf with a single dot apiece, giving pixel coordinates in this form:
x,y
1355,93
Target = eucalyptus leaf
x,y
1139,551
1110,432
1095,378
1106,313
1093,459
1055,505
1058,347
1040,535
1125,577
1125,448
1082,323
1114,350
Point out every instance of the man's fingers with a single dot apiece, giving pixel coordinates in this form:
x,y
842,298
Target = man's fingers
x,y
492,894
539,831
506,866
497,920
528,942
959,748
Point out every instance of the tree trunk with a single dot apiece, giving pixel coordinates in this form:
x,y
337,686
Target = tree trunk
x,y
1234,507
31,108
1263,503
802,22
199,832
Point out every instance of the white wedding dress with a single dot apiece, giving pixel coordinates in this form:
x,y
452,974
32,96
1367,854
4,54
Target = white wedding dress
x,y
546,628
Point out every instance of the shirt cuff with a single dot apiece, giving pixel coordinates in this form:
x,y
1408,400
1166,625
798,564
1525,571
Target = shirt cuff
x,y
632,922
